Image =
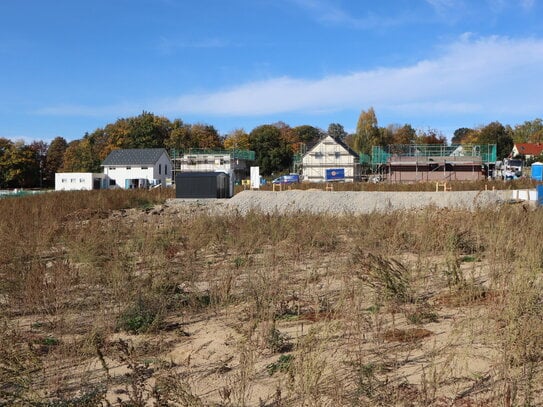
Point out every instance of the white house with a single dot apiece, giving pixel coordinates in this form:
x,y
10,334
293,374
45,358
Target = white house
x,y
76,181
137,168
333,155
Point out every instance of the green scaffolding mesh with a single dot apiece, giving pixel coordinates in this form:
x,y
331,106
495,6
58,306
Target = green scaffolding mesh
x,y
235,154
382,155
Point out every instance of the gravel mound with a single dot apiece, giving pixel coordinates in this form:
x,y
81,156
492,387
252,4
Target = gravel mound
x,y
340,202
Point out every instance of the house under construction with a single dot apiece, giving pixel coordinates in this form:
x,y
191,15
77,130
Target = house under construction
x,y
234,162
433,162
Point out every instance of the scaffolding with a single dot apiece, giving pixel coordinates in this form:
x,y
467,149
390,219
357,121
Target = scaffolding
x,y
200,159
428,162
485,153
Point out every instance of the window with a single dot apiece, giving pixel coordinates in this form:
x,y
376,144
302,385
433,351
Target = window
x,y
111,168
144,168
166,169
64,180
81,179
159,169
128,168
111,182
72,179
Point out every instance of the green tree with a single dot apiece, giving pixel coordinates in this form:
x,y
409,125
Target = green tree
x,y
496,133
54,160
148,131
271,152
5,147
303,136
40,153
461,135
19,165
307,134
336,131
367,133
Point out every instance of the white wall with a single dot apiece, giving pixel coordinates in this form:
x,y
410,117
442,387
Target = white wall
x,y
159,172
75,181
325,155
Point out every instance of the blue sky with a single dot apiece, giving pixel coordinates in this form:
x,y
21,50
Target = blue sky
x,y
71,66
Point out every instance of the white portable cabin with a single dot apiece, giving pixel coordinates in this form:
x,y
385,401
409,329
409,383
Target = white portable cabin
x,y
77,181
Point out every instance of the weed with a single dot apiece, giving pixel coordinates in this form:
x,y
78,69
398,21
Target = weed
x,y
283,365
140,316
388,277
422,314
277,341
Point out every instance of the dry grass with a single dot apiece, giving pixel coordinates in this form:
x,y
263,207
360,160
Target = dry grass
x,y
102,304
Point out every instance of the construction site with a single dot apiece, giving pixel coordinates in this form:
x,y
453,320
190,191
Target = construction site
x,y
235,162
433,162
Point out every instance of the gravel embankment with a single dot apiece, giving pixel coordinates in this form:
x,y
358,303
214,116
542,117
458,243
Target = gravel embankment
x,y
336,202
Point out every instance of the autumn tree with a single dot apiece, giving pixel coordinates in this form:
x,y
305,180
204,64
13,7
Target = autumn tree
x,y
205,136
367,133
237,139
405,134
80,157
180,137
461,135
430,136
530,131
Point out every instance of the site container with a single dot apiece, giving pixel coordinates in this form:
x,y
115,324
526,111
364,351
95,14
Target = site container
x,y
202,185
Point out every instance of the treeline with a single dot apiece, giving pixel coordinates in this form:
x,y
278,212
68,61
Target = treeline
x,y
35,164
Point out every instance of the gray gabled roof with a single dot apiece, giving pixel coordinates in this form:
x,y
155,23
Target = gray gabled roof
x,y
134,156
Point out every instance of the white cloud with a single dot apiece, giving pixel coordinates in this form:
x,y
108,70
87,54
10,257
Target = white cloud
x,y
488,74
326,12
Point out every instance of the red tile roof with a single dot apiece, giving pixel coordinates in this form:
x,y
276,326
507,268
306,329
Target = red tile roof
x,y
529,148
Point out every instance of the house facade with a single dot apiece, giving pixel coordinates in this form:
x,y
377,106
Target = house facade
x,y
330,156
138,168
528,150
236,163
77,181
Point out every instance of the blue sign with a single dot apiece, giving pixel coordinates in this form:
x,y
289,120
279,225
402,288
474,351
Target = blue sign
x,y
335,174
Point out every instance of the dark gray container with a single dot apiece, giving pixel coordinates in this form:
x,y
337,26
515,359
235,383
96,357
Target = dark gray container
x,y
202,185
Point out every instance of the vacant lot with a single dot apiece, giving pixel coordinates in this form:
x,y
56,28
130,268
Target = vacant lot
x,y
117,297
